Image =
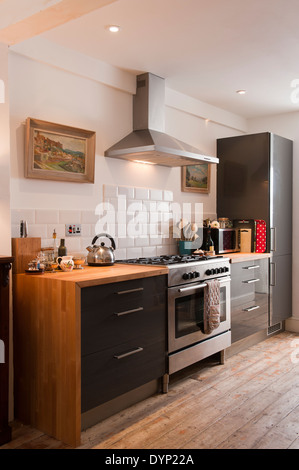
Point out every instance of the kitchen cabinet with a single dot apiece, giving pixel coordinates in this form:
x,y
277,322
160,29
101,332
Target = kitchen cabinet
x,y
254,181
123,331
249,297
82,338
5,266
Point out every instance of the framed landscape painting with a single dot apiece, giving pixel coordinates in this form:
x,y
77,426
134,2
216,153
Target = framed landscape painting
x,y
58,152
196,178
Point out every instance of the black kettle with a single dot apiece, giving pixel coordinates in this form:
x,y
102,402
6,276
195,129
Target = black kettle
x,y
101,255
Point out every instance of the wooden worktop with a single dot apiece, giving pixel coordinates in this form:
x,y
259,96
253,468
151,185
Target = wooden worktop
x,y
97,275
240,257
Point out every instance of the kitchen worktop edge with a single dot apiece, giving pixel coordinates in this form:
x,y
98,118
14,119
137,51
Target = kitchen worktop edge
x,y
240,257
98,275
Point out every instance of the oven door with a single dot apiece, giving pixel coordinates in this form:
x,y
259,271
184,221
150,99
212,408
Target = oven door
x,y
186,314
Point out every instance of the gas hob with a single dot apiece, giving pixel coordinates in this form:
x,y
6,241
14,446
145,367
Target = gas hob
x,y
169,260
186,269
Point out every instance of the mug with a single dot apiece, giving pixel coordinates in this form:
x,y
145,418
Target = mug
x,y
66,263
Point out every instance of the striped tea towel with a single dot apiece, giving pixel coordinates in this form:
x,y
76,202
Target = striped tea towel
x,y
211,306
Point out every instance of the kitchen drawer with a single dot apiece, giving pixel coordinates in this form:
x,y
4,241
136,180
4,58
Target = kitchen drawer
x,y
116,313
114,371
248,279
250,317
122,294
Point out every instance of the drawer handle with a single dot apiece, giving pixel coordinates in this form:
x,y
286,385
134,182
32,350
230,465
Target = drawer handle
x,y
129,291
251,267
248,309
128,353
250,281
126,312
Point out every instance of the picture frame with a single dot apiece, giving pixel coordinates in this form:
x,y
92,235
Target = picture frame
x,y
196,178
59,152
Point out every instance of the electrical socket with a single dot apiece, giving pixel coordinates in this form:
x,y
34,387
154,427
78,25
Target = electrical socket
x,y
73,230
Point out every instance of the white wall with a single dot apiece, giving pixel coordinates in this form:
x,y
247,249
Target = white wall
x,y
5,243
50,93
287,125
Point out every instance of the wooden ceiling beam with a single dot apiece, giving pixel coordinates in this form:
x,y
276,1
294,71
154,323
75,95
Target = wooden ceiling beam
x,y
48,18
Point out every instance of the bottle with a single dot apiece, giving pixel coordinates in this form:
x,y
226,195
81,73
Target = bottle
x,y
23,229
62,251
208,244
55,246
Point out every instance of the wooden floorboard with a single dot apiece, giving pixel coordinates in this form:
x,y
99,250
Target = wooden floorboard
x,y
250,402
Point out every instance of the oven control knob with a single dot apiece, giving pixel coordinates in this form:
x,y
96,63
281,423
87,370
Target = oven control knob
x,y
196,274
208,272
226,269
186,276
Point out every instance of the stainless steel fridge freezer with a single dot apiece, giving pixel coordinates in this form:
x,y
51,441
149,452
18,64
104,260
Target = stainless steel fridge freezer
x,y
254,181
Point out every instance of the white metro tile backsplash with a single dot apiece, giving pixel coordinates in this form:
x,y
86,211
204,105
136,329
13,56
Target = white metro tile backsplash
x,y
137,218
127,207
41,223
142,220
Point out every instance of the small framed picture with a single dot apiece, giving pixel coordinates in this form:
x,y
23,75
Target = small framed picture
x,y
58,152
196,178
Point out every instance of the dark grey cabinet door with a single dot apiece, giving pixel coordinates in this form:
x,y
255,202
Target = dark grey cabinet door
x,y
242,177
280,288
281,169
249,298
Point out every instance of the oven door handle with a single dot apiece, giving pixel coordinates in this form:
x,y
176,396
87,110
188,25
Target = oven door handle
x,y
201,286
185,289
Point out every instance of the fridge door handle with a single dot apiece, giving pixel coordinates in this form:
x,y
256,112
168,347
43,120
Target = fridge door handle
x,y
272,274
273,239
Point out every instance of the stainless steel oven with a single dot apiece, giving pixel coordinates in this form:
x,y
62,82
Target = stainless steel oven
x,y
187,341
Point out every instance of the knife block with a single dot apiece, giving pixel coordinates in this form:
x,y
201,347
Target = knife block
x,y
23,251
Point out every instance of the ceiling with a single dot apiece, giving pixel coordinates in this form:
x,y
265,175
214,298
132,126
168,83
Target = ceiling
x,y
206,50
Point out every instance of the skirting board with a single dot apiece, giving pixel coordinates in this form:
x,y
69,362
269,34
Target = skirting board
x,y
94,416
292,324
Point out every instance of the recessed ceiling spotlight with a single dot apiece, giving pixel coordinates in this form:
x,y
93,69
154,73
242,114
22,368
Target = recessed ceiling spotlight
x,y
113,28
241,92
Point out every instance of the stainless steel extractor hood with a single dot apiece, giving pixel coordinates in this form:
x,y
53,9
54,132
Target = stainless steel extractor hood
x,y
148,142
